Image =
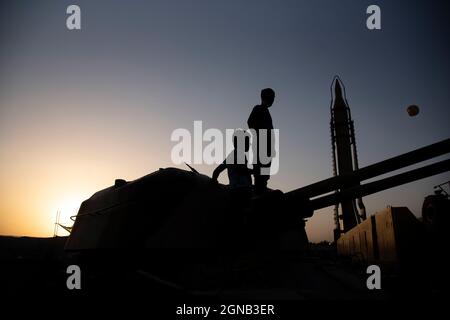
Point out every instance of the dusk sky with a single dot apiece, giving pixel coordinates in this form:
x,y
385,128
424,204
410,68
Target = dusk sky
x,y
81,108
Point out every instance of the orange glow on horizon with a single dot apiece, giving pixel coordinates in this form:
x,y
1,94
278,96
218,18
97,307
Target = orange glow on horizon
x,y
46,168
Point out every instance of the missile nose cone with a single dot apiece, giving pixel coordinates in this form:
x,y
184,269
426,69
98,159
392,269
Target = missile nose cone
x,y
338,99
337,89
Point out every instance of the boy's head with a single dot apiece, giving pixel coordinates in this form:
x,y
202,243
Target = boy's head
x,y
267,97
241,140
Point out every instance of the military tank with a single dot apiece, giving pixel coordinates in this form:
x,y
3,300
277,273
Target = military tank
x,y
178,209
173,222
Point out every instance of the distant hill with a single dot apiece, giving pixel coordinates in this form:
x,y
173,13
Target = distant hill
x,y
30,247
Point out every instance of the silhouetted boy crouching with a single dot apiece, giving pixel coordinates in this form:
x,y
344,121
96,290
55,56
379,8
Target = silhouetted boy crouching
x,y
240,185
239,175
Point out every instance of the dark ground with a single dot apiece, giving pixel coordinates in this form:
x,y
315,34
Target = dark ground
x,y
30,266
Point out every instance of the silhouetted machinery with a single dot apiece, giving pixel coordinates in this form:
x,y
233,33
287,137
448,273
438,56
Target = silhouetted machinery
x,y
174,215
174,208
436,211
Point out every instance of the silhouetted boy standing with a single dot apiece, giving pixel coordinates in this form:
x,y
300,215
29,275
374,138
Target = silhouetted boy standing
x,y
260,118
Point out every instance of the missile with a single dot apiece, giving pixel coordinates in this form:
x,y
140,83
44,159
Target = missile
x,y
345,158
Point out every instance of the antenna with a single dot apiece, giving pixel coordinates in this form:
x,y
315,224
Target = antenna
x,y
55,230
192,169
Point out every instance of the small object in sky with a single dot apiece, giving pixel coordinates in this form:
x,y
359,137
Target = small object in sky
x,y
413,110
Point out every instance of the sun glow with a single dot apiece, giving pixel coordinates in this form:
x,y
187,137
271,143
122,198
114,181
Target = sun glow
x,y
68,207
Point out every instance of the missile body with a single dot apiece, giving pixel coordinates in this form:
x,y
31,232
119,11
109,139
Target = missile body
x,y
345,158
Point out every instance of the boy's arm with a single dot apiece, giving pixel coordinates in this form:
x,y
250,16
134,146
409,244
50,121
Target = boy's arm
x,y
218,170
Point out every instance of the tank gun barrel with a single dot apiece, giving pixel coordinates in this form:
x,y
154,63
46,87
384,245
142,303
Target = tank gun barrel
x,y
322,188
380,185
371,171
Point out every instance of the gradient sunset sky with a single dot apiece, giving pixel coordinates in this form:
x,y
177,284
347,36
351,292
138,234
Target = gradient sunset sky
x,y
79,109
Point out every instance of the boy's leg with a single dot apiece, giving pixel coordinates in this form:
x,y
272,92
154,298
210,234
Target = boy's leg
x,y
261,179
